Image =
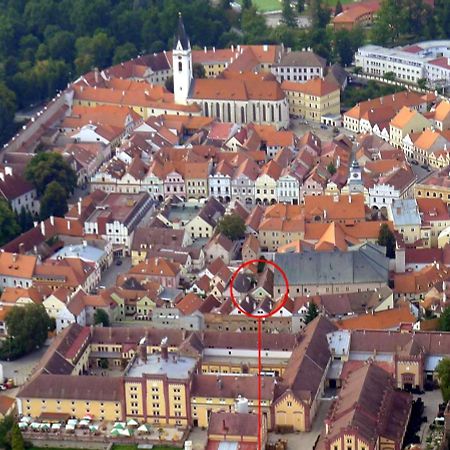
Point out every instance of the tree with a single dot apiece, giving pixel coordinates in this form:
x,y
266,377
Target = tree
x,y
25,220
17,442
443,371
386,239
422,83
254,26
246,4
387,26
390,76
124,52
6,425
331,168
169,83
444,320
27,327
198,71
46,167
54,201
103,363
101,317
338,8
312,312
300,6
232,226
320,14
9,228
288,15
8,107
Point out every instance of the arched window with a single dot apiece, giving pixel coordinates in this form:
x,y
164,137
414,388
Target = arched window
x,y
180,66
254,112
264,113
242,115
229,112
279,112
272,113
206,109
217,110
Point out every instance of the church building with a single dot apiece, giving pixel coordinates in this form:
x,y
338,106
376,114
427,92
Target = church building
x,y
239,97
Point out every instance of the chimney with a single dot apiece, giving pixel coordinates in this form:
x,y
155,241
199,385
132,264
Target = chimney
x,y
327,426
43,228
96,75
79,206
349,198
324,214
8,170
164,349
22,248
2,176
84,243
143,350
52,221
265,47
14,257
205,50
68,224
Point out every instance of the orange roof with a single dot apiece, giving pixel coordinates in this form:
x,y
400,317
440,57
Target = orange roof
x,y
442,111
6,403
427,138
11,295
334,207
16,265
420,281
316,86
383,320
156,266
351,15
189,304
403,117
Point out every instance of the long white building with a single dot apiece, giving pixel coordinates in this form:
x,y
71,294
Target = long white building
x,y
429,60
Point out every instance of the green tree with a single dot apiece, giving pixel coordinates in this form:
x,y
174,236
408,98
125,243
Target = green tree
x,y
198,71
46,167
169,84
101,317
444,320
27,327
331,168
387,26
54,201
443,371
442,18
9,228
386,239
246,4
319,13
25,220
338,8
422,83
6,425
124,52
389,76
232,226
103,363
288,14
300,6
312,312
17,442
254,26
8,107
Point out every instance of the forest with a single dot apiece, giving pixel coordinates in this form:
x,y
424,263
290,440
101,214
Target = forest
x,y
44,44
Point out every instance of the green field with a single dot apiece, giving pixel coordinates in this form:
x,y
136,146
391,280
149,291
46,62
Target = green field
x,y
275,5
267,5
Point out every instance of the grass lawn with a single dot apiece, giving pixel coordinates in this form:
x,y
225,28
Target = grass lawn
x,y
266,5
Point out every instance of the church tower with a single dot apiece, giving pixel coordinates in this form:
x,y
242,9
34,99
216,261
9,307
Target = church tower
x,y
181,64
355,182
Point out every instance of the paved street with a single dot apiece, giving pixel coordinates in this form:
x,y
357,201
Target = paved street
x,y
431,400
305,441
109,275
19,370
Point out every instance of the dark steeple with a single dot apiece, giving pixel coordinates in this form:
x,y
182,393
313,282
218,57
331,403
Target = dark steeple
x,y
181,35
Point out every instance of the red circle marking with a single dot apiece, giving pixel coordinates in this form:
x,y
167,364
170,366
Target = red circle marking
x,y
236,303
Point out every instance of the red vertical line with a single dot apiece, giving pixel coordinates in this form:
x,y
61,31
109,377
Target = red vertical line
x,y
259,385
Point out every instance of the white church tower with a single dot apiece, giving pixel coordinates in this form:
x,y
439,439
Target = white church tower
x,y
181,64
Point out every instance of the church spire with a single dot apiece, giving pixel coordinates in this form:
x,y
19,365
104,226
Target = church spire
x,y
181,38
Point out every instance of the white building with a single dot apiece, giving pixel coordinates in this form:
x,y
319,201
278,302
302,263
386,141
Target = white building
x,y
429,60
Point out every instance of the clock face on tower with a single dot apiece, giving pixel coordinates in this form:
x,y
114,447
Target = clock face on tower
x,y
355,175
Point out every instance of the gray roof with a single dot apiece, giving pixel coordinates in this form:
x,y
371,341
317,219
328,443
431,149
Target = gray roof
x,y
363,264
405,212
301,59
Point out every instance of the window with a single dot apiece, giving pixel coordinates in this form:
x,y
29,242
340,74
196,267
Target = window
x,y
180,66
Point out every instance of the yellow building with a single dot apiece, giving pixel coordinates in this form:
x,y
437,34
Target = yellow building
x,y
436,185
313,99
406,121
